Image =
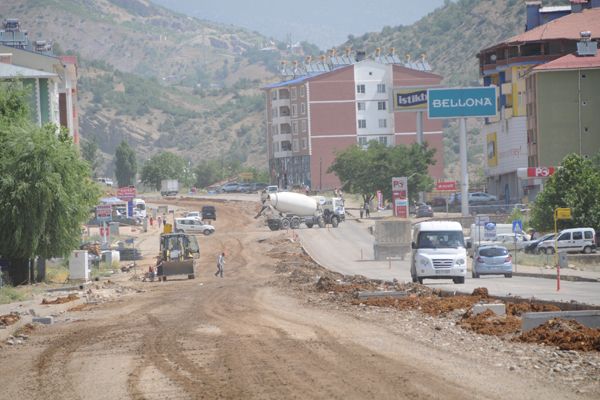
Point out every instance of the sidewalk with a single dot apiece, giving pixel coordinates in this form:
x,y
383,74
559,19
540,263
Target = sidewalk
x,y
566,274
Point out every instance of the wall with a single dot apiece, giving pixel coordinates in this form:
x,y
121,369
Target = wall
x,y
561,122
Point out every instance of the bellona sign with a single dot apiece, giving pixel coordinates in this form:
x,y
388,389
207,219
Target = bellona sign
x,y
461,102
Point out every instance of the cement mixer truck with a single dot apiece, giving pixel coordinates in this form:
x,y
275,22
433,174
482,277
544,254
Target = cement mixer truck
x,y
285,210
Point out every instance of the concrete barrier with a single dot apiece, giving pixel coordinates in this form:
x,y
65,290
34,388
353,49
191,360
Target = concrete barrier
x,y
498,309
589,318
380,294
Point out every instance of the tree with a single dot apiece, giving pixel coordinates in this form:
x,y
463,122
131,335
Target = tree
x,y
125,165
164,165
89,152
45,193
367,171
13,109
576,185
207,173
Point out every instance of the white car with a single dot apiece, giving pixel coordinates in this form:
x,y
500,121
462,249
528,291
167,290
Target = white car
x,y
481,197
571,240
193,225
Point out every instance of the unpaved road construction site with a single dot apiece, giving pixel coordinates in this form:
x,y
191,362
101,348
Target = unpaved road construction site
x,y
278,326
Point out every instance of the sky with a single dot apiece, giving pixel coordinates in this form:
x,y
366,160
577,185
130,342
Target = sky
x,y
326,23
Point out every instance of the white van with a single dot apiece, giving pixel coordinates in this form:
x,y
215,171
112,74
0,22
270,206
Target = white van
x,y
438,252
139,208
571,240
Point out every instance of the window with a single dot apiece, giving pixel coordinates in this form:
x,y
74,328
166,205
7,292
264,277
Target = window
x,y
294,110
382,105
381,88
383,140
383,123
362,123
294,127
565,236
577,235
304,143
274,94
302,108
362,141
302,91
303,125
588,235
360,89
361,106
294,94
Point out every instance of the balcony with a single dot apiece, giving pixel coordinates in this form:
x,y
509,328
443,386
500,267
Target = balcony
x,y
284,111
285,128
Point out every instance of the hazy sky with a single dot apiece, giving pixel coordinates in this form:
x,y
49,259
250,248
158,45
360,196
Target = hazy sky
x,y
325,23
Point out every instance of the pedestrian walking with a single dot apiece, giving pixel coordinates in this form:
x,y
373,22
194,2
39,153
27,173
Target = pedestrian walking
x,y
159,219
151,221
367,211
220,264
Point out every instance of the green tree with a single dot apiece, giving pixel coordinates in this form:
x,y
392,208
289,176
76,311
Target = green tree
x,y
576,185
207,172
13,108
367,171
89,152
164,165
45,193
125,165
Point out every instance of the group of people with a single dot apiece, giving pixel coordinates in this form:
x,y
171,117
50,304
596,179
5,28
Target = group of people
x,y
365,210
159,220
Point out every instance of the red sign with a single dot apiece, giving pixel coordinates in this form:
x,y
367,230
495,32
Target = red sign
x,y
104,212
446,186
540,172
126,193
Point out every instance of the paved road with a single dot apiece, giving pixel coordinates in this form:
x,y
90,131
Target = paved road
x,y
348,249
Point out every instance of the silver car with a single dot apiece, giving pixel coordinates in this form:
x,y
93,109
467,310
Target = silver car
x,y
492,260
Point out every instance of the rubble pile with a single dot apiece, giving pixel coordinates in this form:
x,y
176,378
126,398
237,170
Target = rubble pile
x,y
9,319
488,323
519,309
429,304
565,334
61,300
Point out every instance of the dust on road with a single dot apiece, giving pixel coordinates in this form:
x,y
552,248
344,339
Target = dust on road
x,y
241,337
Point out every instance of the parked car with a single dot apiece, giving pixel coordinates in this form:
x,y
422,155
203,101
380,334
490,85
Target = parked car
x,y
532,246
259,186
272,189
193,225
571,240
508,240
492,260
244,187
423,210
481,197
230,187
209,213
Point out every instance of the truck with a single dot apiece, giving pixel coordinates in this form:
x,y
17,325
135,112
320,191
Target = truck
x,y
169,187
285,210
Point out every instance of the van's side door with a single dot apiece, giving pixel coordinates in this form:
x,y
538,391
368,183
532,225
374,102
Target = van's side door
x,y
577,241
564,241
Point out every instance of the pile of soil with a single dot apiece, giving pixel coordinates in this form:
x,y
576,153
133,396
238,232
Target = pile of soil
x,y
519,309
433,304
25,330
9,319
81,307
488,323
565,334
61,300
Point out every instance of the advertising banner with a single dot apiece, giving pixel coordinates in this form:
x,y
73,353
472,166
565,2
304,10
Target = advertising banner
x,y
126,193
462,102
446,186
104,212
492,150
400,196
414,99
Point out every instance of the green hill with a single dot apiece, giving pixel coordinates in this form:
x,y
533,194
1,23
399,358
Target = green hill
x,y
158,79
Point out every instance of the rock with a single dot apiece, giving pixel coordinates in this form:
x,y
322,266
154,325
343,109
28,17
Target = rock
x,y
10,342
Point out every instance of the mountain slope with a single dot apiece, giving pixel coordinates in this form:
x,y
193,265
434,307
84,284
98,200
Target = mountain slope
x,y
158,79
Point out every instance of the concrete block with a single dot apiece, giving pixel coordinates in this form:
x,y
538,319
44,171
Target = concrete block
x,y
589,318
43,320
378,294
498,309
381,252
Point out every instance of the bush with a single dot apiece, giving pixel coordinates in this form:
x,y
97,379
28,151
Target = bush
x,y
9,294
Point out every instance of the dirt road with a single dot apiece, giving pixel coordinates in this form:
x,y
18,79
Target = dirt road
x,y
241,337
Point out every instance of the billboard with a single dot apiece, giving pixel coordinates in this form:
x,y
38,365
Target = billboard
x,y
414,99
445,186
400,196
126,193
492,149
461,102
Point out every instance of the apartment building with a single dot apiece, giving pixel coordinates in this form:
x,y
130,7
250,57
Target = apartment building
x,y
553,32
312,117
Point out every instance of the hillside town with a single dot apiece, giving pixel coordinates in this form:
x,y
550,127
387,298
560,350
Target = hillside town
x,y
195,210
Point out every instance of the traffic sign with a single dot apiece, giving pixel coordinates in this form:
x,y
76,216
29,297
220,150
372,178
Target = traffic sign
x,y
517,226
489,231
461,102
562,213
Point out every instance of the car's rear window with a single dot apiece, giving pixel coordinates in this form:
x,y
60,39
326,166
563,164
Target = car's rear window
x,y
493,252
